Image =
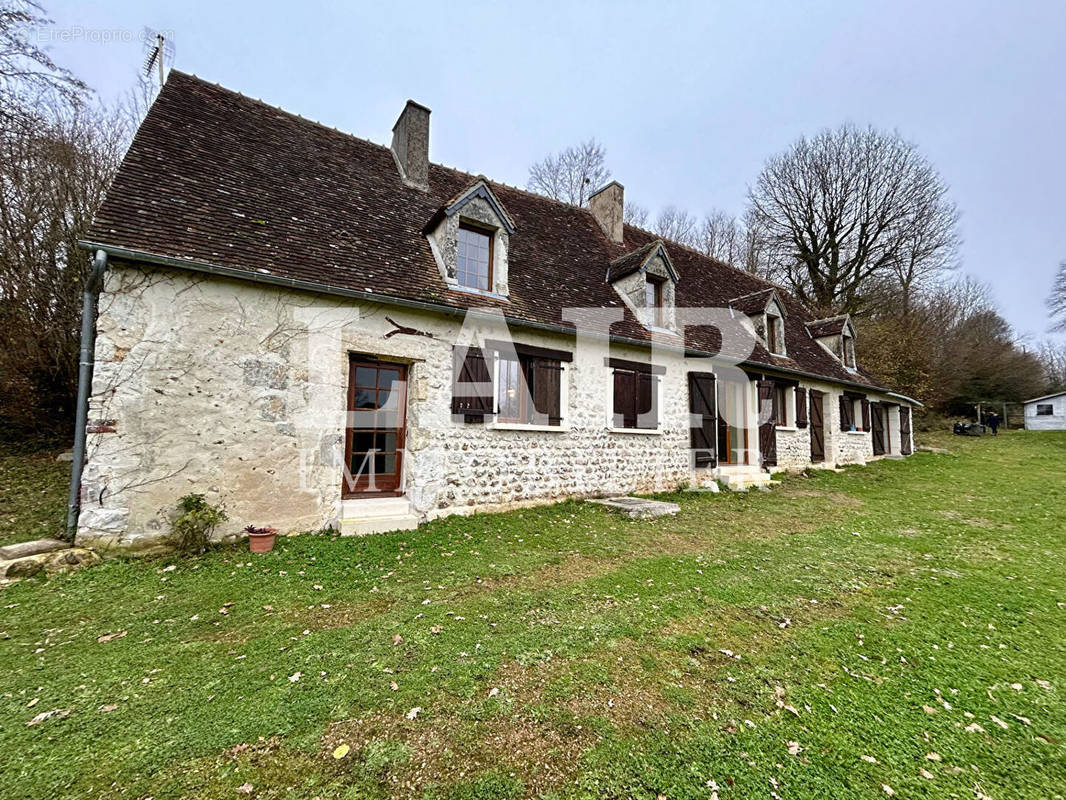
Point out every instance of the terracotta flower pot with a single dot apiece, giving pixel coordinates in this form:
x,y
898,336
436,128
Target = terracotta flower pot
x,y
261,540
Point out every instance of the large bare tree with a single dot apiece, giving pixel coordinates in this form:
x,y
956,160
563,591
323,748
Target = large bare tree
x,y
849,206
1056,303
572,174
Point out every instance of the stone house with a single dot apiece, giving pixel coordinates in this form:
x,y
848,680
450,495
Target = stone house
x,y
315,330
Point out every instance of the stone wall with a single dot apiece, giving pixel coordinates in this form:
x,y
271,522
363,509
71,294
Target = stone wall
x,y
238,391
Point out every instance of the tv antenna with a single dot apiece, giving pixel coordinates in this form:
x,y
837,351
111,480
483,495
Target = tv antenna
x,y
159,50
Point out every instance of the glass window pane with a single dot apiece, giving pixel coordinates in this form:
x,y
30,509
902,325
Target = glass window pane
x,y
386,442
385,464
365,398
365,376
362,441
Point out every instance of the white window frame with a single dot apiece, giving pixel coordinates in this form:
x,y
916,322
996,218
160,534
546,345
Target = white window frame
x,y
564,403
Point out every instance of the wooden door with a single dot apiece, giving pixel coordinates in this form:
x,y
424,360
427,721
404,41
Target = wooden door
x,y
905,430
878,417
703,424
817,425
767,424
374,434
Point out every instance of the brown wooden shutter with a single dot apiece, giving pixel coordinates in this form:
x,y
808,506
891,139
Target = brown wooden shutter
x,y
817,426
801,407
767,427
647,416
905,430
846,409
865,414
546,374
471,384
625,399
703,428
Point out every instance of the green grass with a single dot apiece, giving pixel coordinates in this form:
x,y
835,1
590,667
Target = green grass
x,y
33,495
881,619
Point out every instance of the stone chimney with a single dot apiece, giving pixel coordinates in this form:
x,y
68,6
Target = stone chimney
x,y
410,145
606,206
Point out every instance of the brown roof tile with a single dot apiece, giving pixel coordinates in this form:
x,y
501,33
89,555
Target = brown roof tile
x,y
216,177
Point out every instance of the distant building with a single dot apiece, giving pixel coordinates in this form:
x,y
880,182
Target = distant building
x,y
1046,413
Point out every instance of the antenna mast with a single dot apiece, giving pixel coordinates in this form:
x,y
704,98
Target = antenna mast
x,y
155,58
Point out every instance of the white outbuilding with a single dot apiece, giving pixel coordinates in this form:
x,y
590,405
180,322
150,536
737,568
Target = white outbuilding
x,y
1046,413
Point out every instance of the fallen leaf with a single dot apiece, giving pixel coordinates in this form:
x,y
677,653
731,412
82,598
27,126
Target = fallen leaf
x,y
436,629
1023,720
245,788
973,727
107,708
33,702
979,792
493,692
933,756
887,789
1043,684
58,713
110,637
397,639
341,751
869,759
794,748
998,721
394,686
295,677
926,774
930,710
413,712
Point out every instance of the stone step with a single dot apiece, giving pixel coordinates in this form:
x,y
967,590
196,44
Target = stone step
x,y
740,479
360,516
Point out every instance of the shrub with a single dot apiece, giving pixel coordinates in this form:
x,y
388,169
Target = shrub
x,y
192,530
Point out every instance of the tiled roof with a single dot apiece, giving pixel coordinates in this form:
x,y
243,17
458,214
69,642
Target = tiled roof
x,y
216,177
827,327
631,262
754,303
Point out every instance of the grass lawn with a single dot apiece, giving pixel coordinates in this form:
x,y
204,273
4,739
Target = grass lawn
x,y
894,630
33,495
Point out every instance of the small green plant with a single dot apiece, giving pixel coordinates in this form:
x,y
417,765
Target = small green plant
x,y
191,531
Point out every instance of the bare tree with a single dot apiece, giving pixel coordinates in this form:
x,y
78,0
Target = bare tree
x,y
849,205
676,225
53,176
721,237
1053,356
1056,303
572,174
634,214
27,72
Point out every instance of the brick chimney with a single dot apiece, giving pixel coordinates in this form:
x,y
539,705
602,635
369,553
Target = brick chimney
x,y
606,206
410,145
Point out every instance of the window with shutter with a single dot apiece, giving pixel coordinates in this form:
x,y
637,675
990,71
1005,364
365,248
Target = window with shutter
x,y
636,398
471,384
847,412
529,383
801,407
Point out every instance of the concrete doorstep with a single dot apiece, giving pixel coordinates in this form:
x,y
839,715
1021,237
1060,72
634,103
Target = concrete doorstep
x,y
639,508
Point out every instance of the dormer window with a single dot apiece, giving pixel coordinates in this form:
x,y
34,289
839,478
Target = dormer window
x,y
469,237
474,259
653,300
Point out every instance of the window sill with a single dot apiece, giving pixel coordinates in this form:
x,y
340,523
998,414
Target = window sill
x,y
787,428
857,433
522,426
639,431
455,287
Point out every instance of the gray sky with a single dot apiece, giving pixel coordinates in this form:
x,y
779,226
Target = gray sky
x,y
688,98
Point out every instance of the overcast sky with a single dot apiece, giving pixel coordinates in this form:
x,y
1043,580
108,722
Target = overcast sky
x,y
688,99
